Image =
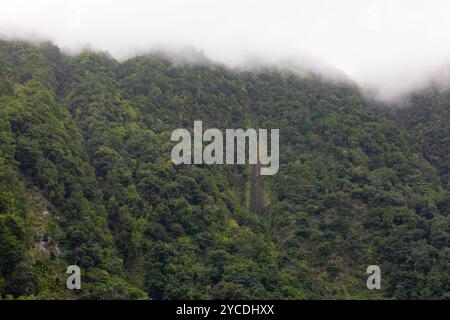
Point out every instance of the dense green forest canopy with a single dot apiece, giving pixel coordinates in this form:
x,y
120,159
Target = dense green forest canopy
x,y
86,179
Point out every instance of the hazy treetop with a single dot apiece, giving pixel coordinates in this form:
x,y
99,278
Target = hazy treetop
x,y
388,45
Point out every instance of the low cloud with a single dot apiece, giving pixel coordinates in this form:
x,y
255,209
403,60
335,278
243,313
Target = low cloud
x,y
388,47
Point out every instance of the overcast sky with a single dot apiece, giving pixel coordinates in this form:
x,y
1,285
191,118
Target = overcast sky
x,y
387,44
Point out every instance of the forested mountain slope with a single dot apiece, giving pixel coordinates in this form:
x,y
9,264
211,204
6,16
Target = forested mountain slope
x,y
427,118
86,179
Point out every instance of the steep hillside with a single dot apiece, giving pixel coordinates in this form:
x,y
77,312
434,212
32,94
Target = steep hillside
x,y
427,118
86,179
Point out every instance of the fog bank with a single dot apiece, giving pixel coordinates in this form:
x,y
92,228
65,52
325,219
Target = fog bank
x,y
388,47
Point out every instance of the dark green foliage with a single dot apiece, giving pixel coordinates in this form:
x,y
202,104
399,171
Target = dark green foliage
x,y
89,137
